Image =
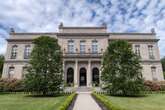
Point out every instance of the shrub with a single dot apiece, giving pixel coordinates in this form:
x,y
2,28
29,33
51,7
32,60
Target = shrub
x,y
67,102
105,101
11,85
162,87
152,86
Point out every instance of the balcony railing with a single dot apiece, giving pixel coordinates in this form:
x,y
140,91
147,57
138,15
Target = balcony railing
x,y
93,55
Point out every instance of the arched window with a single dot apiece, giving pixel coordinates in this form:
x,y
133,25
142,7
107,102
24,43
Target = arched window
x,y
11,72
27,52
95,76
70,76
14,52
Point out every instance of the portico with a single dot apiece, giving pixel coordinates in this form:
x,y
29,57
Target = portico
x,y
81,72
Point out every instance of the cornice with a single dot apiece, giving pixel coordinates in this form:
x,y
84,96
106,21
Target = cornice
x,y
82,34
150,61
130,33
85,56
141,40
85,27
16,61
33,33
19,40
58,33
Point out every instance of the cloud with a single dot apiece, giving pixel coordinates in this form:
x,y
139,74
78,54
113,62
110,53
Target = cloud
x,y
45,15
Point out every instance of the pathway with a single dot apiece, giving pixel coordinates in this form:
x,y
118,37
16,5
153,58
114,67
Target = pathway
x,y
85,101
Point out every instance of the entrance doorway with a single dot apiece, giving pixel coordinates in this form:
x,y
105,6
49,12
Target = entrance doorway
x,y
83,78
70,76
95,76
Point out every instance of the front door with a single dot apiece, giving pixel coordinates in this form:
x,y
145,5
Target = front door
x,y
83,79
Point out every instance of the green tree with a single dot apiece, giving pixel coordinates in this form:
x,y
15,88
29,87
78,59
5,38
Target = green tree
x,y
121,70
1,64
44,75
163,65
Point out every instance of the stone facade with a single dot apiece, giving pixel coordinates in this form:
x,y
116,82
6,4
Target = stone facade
x,y
82,49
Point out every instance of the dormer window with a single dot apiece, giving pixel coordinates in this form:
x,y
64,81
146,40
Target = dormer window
x,y
70,46
14,52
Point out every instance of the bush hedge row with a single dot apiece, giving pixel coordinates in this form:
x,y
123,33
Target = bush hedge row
x,y
11,85
154,86
105,101
67,102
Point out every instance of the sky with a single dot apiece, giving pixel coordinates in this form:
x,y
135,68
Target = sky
x,y
46,15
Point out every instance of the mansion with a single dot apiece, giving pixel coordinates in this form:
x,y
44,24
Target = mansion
x,y
82,49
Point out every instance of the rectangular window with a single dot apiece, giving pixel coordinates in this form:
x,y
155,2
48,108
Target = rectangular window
x,y
82,46
137,50
24,72
94,46
11,72
150,52
70,46
153,72
27,52
14,52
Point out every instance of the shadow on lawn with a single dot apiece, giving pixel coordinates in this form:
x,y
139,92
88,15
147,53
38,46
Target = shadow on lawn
x,y
3,93
40,96
130,96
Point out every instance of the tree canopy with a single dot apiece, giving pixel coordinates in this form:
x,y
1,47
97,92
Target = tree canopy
x,y
163,65
1,64
121,69
44,73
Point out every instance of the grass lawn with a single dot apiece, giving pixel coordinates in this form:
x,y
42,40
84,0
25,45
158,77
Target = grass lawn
x,y
150,102
20,101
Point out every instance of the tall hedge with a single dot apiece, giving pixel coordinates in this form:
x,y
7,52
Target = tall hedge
x,y
44,74
121,69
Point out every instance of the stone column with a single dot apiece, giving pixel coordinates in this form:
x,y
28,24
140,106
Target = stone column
x,y
89,84
76,74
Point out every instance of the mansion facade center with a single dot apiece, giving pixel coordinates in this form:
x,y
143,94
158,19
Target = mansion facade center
x,y
83,48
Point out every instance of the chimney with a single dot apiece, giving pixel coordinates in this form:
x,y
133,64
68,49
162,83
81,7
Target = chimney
x,y
61,25
152,30
104,25
12,30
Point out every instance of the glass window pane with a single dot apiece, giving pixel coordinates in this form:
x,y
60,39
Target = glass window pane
x,y
27,52
82,46
14,52
71,46
94,47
